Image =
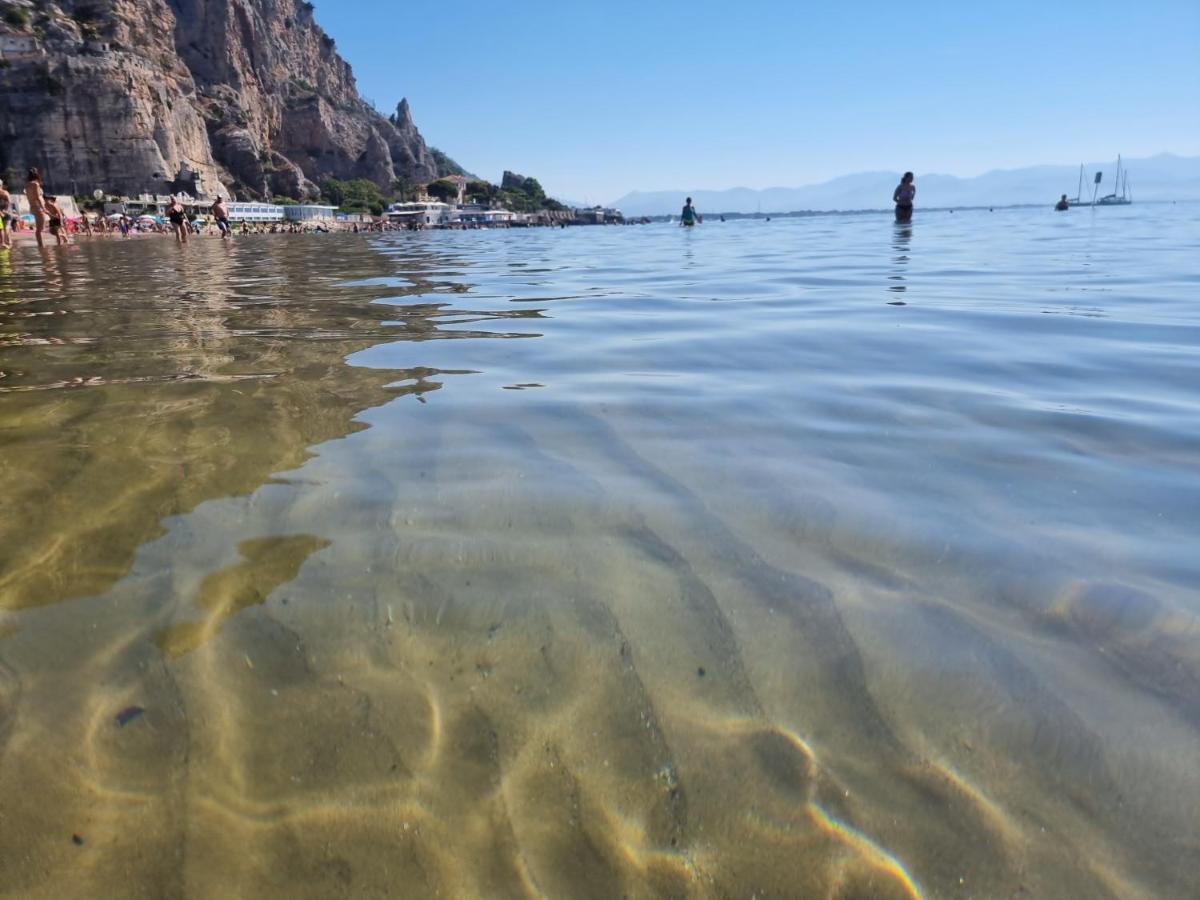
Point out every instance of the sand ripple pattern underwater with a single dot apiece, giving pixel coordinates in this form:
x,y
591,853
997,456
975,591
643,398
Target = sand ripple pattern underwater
x,y
816,557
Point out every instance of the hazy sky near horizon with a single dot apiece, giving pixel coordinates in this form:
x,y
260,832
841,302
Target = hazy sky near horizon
x,y
596,99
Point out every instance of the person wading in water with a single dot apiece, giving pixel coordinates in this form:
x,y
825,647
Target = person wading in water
x,y
178,219
220,212
37,203
5,206
903,196
58,222
689,216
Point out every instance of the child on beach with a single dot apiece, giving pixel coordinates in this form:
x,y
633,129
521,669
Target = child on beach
x,y
58,222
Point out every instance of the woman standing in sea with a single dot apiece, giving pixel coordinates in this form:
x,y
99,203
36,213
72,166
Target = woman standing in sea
x,y
903,197
178,219
37,203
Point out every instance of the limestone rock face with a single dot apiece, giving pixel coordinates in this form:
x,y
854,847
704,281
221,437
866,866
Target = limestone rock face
x,y
251,94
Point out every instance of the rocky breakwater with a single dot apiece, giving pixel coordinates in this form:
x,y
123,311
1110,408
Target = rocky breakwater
x,y
128,95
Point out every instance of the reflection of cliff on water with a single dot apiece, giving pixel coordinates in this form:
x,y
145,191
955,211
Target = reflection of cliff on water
x,y
141,380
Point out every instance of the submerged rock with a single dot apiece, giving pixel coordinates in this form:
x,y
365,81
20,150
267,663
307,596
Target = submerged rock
x,y
128,714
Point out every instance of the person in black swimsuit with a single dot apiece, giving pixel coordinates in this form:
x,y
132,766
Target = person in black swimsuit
x,y
178,219
903,196
57,222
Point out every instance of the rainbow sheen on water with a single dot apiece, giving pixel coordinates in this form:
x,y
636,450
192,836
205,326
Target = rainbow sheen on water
x,y
819,557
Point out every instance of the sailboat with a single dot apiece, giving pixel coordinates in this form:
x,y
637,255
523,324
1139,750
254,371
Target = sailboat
x,y
1113,199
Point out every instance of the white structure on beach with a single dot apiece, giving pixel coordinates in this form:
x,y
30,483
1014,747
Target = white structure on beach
x,y
435,214
422,214
481,216
255,212
310,212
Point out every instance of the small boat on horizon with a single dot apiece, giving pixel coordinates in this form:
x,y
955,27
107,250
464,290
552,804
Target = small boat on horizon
x,y
1124,198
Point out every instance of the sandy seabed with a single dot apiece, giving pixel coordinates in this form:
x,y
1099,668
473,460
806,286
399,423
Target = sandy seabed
x,y
271,627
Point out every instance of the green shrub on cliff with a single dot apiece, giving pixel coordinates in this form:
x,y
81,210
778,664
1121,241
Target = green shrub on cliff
x,y
16,16
516,192
357,196
481,192
443,190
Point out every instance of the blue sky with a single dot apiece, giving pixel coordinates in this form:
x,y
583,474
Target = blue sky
x,y
599,98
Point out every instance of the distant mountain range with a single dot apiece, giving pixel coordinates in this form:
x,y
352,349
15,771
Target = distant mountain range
x,y
1162,177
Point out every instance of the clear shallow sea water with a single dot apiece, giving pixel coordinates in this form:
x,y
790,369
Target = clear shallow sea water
x,y
606,562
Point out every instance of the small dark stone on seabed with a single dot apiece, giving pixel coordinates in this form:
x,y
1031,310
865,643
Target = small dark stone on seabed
x,y
128,714
700,671
76,840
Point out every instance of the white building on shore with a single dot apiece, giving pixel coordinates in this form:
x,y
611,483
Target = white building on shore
x,y
310,212
422,214
255,212
486,217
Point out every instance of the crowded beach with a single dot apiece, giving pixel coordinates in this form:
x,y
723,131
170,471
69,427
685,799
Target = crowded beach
x,y
37,215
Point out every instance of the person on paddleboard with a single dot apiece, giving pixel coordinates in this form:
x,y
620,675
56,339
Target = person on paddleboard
x,y
689,216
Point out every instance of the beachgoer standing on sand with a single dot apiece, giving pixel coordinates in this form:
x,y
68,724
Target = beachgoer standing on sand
x,y
689,216
58,222
220,212
37,202
903,197
178,220
5,206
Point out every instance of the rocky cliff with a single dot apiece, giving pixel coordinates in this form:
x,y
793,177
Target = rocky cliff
x,y
122,95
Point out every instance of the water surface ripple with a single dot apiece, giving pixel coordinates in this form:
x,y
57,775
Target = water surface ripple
x,y
813,557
